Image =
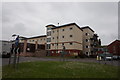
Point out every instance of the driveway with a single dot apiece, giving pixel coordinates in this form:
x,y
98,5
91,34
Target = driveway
x,y
5,61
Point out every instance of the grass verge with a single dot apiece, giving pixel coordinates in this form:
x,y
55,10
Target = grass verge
x,y
57,69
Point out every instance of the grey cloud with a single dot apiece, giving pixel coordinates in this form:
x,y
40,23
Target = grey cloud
x,y
19,27
29,19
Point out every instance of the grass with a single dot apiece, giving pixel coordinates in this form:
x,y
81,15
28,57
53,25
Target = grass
x,y
57,69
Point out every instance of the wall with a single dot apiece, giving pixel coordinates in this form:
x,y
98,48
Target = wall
x,y
75,39
114,48
90,35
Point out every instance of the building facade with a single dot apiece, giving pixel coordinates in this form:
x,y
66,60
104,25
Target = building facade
x,y
74,39
67,36
87,35
114,47
33,43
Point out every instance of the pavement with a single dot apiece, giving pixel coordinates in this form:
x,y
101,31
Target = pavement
x,y
5,61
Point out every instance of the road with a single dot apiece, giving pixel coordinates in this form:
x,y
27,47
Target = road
x,y
29,59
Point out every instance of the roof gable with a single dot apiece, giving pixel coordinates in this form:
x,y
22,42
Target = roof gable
x,y
67,25
87,27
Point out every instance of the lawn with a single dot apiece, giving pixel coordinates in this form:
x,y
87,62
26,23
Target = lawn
x,y
57,69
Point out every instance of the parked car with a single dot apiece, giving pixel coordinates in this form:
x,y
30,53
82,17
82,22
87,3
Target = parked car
x,y
5,54
108,58
119,57
115,57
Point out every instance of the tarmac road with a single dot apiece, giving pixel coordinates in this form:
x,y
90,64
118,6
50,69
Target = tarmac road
x,y
5,61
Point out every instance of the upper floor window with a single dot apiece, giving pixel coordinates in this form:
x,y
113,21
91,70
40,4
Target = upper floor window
x,y
62,43
53,37
86,34
57,37
48,39
49,33
62,36
71,43
48,28
52,44
33,40
87,46
71,28
71,36
63,30
86,40
53,31
86,52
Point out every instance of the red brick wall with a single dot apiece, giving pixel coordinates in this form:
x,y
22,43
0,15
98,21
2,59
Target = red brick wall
x,y
70,52
114,47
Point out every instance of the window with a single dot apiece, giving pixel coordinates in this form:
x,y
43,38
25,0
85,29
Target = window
x,y
53,37
44,38
62,29
87,46
62,43
57,37
29,40
52,51
87,40
56,51
48,28
86,52
48,39
62,36
33,40
71,28
52,44
41,39
71,36
57,30
71,43
57,44
49,33
86,34
53,31
48,46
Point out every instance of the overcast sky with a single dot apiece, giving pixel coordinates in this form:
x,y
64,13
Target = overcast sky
x,y
30,18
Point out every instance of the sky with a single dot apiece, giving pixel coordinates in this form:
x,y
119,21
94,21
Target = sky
x,y
29,19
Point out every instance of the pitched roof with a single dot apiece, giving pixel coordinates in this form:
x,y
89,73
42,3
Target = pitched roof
x,y
50,25
114,42
87,27
36,37
67,25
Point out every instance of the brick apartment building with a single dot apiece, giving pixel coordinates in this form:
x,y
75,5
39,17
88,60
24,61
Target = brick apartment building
x,y
114,47
76,40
